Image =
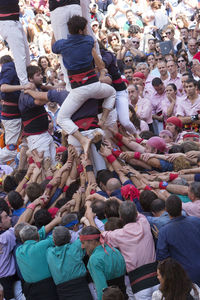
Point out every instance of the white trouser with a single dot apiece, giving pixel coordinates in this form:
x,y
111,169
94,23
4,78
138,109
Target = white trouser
x,y
157,126
97,160
59,18
12,132
77,98
122,105
13,33
43,143
18,291
146,294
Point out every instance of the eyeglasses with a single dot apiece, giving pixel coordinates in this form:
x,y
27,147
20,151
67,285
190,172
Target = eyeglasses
x,y
182,60
169,32
135,42
128,60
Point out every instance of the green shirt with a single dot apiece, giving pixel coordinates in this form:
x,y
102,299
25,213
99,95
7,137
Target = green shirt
x,y
105,266
31,259
65,262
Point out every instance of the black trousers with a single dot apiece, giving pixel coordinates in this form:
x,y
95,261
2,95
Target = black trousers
x,y
8,283
41,290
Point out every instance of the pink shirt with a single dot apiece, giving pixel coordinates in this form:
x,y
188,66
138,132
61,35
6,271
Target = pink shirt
x,y
148,84
144,109
135,242
186,108
178,83
166,103
156,101
192,208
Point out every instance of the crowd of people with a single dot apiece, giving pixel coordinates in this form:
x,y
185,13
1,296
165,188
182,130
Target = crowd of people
x,y
99,150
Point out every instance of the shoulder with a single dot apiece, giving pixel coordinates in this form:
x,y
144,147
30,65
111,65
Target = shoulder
x,y
157,295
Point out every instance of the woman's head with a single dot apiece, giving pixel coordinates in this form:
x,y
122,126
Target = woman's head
x,y
113,39
171,90
182,61
151,60
174,282
44,62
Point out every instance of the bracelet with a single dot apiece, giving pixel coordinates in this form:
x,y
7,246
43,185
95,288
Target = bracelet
x,y
137,155
49,186
65,188
130,174
116,152
119,136
24,186
30,160
139,141
1,181
38,164
89,168
31,206
172,176
163,185
147,188
49,177
26,177
92,192
80,169
111,158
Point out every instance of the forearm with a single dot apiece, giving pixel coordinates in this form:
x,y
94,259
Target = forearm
x,y
98,61
170,109
6,88
177,189
140,163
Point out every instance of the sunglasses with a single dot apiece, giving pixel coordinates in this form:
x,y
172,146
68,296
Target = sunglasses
x,y
181,60
134,42
128,60
169,32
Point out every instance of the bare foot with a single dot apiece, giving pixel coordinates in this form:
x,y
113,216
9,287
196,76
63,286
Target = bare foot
x,y
86,146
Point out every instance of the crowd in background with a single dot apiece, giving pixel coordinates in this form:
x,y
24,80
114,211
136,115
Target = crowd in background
x,y
123,220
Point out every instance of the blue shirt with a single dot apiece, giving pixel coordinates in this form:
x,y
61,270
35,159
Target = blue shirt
x,y
159,221
76,51
180,239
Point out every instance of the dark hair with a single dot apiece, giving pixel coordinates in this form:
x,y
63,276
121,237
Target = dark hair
x,y
112,292
110,36
98,207
32,70
128,212
184,57
111,208
173,86
191,80
64,157
128,68
173,206
156,81
189,146
4,206
61,202
42,217
146,199
113,223
15,199
76,23
39,61
33,191
103,176
43,185
195,189
90,230
146,134
176,285
9,184
66,219
5,59
157,205
176,148
19,175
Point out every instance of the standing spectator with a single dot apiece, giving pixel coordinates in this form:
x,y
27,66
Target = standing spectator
x,y
192,48
12,32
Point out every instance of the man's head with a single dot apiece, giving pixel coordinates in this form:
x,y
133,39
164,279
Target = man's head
x,y
35,75
192,46
194,191
174,125
89,238
133,93
166,135
172,68
98,208
5,220
111,208
184,78
112,185
5,59
184,33
158,85
130,16
33,191
128,61
128,73
136,42
191,88
61,236
15,200
173,206
146,198
70,221
143,68
157,207
139,79
151,44
162,68
77,25
196,66
128,212
102,178
29,232
42,217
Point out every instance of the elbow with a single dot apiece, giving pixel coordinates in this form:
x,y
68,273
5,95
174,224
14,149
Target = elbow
x,y
3,88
